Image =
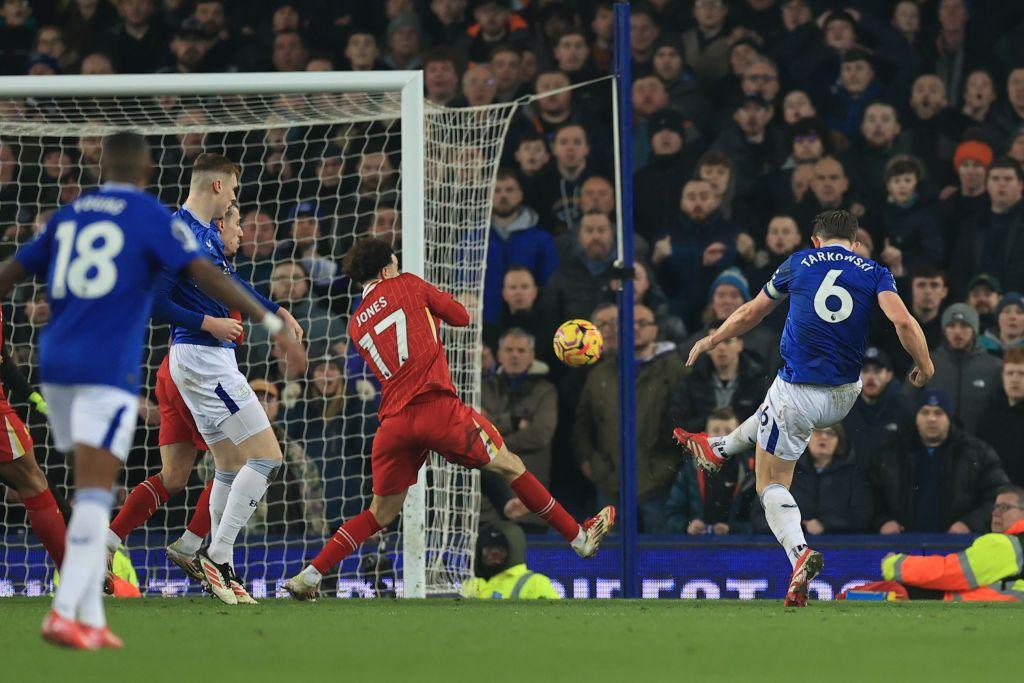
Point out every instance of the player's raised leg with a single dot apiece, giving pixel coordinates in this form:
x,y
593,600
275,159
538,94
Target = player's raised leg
x,y
711,452
44,515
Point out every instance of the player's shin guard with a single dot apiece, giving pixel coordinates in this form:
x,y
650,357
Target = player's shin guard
x,y
139,506
540,502
219,492
47,524
783,515
246,493
81,573
346,539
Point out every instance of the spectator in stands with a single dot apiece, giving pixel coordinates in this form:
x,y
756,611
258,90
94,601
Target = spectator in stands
x,y
50,41
1008,117
707,44
596,431
446,21
507,67
553,111
211,16
796,105
308,245
870,153
495,23
500,570
363,53
761,78
834,494
964,371
648,293
597,194
928,290
979,96
189,46
576,286
684,92
478,86
290,53
643,33
989,241
935,478
16,36
531,155
983,294
289,284
377,184
1009,332
725,377
519,294
255,259
441,75
554,191
96,63
649,97
696,247
702,503
970,161
515,238
572,55
656,186
403,42
933,127
1001,423
910,227
133,42
521,402
856,88
828,190
881,412
754,148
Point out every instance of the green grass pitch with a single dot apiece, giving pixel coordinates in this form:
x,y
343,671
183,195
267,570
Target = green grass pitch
x,y
199,639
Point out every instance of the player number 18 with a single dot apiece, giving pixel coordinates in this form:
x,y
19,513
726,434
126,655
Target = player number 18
x,y
827,289
92,272
396,320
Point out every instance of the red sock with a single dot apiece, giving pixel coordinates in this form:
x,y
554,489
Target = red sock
x,y
200,522
540,502
346,539
140,505
47,524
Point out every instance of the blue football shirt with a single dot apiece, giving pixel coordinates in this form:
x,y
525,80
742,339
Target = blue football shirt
x,y
833,294
101,256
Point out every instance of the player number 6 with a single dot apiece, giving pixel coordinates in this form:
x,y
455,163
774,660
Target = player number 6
x,y
830,288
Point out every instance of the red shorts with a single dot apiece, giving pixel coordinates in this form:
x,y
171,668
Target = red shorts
x,y
434,422
16,441
176,422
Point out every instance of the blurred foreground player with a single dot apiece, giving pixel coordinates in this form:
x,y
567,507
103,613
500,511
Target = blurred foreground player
x,y
833,297
100,256
396,330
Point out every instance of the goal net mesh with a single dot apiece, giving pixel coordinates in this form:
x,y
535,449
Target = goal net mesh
x,y
317,172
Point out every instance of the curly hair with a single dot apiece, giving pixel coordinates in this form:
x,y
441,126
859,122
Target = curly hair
x,y
367,258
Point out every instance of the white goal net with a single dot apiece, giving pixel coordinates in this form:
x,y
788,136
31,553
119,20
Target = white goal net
x,y
318,170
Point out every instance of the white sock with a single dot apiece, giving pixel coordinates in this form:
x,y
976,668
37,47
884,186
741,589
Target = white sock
x,y
81,573
581,538
246,492
784,519
189,542
113,540
738,441
311,576
222,481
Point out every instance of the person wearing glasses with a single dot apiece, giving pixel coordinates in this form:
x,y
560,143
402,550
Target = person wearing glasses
x,y
989,570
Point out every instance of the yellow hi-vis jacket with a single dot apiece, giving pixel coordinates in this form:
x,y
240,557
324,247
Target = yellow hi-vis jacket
x,y
991,569
515,583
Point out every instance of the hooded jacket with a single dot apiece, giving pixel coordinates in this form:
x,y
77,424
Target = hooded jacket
x,y
513,580
521,243
596,427
530,400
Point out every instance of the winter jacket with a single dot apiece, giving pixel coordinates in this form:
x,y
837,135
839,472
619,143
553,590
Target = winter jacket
x,y
525,411
557,198
522,243
711,498
751,161
573,291
1002,427
969,475
657,190
682,275
596,427
865,166
694,399
708,59
970,378
760,343
915,231
991,243
839,497
870,425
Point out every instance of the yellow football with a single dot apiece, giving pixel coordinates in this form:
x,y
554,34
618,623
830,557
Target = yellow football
x,y
578,343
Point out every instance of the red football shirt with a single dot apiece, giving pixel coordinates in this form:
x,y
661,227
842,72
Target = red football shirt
x,y
395,331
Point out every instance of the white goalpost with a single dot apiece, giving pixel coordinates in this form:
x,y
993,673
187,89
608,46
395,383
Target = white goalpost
x,y
325,158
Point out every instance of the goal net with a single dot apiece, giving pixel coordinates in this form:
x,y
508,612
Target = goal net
x,y
323,162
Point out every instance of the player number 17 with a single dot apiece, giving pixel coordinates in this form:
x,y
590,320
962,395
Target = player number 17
x,y
396,320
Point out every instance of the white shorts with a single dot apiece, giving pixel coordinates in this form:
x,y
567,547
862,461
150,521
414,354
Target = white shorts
x,y
217,394
94,415
791,411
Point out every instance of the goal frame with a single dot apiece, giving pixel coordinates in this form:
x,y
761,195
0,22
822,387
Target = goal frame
x,y
408,83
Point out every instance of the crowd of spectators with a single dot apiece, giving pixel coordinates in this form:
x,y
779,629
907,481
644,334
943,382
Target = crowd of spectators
x,y
750,117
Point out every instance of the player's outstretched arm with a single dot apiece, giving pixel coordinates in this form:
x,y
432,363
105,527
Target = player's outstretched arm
x,y
911,336
212,281
743,319
445,306
11,273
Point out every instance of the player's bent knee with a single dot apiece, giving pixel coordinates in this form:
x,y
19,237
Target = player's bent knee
x,y
385,509
506,464
26,476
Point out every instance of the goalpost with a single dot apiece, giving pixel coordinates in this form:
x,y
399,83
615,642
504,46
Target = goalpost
x,y
325,158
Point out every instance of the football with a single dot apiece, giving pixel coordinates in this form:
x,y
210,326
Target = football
x,y
578,343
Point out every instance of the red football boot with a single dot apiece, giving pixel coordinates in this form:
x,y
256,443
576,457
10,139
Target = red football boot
x,y
596,528
807,567
698,445
102,637
67,633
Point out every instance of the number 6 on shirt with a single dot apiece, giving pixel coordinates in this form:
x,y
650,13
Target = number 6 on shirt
x,y
396,320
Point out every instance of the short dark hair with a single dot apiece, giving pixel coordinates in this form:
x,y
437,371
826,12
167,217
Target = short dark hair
x,y
1007,162
902,165
835,224
367,258
214,163
1013,356
507,173
929,272
725,413
125,157
1014,489
519,268
442,53
505,47
572,31
713,158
